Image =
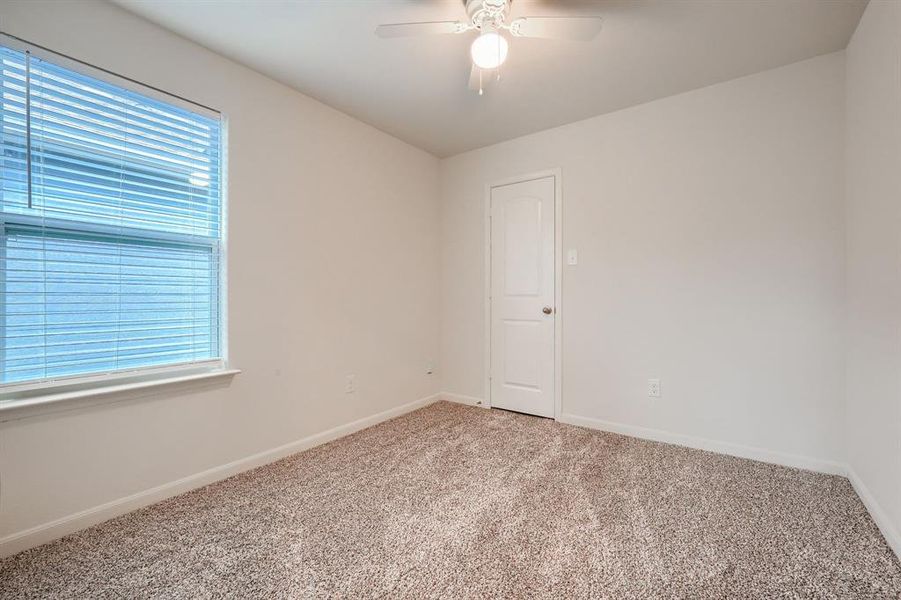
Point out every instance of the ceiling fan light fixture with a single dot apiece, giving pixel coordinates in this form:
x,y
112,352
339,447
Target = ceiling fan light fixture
x,y
489,50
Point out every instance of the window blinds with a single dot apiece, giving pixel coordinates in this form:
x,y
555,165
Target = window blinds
x,y
110,226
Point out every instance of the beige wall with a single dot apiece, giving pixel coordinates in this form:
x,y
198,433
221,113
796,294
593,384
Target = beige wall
x,y
333,266
874,262
710,233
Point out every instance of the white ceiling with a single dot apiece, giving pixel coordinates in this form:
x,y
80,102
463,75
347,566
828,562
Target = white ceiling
x,y
416,88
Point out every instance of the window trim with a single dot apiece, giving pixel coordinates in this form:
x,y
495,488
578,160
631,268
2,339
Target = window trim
x,y
71,383
33,397
111,389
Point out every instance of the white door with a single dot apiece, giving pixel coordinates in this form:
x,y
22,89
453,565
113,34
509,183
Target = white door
x,y
522,297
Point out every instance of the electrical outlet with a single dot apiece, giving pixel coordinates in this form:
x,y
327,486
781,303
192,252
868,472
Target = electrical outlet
x,y
653,388
350,384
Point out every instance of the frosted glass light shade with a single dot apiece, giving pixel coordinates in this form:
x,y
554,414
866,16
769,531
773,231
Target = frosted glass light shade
x,y
489,50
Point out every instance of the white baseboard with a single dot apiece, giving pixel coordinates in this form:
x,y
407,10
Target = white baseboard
x,y
46,532
769,456
461,399
889,532
879,516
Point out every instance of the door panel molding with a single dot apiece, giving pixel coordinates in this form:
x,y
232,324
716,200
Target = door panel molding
x,y
557,174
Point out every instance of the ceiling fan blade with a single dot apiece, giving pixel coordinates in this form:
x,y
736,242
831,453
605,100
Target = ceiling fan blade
x,y
394,30
487,76
557,28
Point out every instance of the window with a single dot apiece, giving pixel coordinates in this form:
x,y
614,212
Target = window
x,y
110,225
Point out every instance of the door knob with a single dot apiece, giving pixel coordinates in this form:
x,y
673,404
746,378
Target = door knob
x,y
547,310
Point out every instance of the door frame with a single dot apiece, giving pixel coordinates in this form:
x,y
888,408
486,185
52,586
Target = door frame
x,y
557,174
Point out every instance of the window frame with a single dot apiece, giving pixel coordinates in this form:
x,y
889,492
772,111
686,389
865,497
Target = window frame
x,y
55,389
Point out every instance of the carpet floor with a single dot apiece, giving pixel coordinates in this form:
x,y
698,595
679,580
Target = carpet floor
x,y
458,502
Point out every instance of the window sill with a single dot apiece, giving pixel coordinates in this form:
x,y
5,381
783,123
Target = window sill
x,y
12,410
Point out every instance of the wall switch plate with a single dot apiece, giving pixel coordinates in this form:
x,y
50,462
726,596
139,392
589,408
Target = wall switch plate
x,y
572,257
653,388
350,385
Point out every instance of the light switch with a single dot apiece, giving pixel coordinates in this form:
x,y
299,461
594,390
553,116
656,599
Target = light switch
x,y
572,257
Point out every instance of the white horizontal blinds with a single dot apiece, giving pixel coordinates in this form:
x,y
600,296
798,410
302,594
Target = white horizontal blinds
x,y
13,177
111,260
107,155
86,304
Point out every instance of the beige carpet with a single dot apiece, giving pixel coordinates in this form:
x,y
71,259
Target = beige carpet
x,y
458,502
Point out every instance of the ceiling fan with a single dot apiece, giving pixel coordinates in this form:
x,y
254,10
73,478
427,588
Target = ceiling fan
x,y
489,18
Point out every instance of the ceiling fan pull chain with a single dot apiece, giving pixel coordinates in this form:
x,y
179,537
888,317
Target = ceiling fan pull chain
x,y
497,71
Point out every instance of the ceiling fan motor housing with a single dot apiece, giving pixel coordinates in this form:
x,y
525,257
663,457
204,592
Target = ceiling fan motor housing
x,y
488,14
